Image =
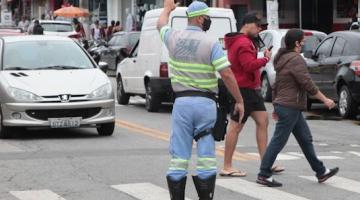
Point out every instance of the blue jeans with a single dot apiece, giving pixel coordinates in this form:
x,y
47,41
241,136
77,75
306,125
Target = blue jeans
x,y
290,120
190,116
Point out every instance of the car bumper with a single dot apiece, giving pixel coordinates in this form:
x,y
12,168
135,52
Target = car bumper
x,y
104,113
162,87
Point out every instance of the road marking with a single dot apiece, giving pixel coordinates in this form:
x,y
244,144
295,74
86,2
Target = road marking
x,y
8,148
336,152
255,190
36,195
330,158
281,156
322,144
354,153
354,145
296,154
166,137
144,191
339,182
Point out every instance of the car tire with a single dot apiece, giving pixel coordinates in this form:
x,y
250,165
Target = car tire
x,y
266,90
5,132
106,129
122,97
152,101
309,103
347,105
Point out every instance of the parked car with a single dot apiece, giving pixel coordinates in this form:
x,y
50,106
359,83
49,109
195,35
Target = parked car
x,y
11,31
145,72
335,67
51,82
275,38
59,28
118,48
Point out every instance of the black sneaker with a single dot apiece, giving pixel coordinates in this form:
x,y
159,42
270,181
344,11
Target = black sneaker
x,y
325,177
265,181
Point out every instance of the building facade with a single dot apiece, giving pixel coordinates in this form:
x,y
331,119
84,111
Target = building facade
x,y
323,15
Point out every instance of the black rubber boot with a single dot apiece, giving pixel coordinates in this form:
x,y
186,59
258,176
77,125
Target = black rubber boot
x,y
205,187
176,188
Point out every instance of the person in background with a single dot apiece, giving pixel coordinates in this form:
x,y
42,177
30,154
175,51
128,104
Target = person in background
x,y
97,32
292,85
38,29
24,23
118,27
31,26
79,27
242,53
110,30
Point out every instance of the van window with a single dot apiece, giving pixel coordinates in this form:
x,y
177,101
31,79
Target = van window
x,y
219,26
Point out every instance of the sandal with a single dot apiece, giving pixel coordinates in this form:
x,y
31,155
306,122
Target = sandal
x,y
234,173
277,169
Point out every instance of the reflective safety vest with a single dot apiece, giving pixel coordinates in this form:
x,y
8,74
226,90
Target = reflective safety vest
x,y
190,62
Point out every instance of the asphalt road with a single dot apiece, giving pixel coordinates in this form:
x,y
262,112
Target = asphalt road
x,y
79,165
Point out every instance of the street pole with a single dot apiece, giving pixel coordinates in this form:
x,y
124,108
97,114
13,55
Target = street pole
x,y
300,14
272,13
3,5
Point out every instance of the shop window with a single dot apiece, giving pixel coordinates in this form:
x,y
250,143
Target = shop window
x,y
346,8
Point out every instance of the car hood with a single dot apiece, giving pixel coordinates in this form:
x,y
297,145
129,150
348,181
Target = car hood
x,y
56,82
63,34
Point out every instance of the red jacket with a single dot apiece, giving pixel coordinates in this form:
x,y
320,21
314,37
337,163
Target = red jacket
x,y
245,65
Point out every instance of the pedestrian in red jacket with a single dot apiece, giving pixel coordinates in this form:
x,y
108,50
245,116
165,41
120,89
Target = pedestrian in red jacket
x,y
242,53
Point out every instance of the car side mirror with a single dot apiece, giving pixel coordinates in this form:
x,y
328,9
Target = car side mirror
x,y
103,66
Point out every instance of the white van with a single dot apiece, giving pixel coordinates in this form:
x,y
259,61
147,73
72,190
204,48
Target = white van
x,y
145,71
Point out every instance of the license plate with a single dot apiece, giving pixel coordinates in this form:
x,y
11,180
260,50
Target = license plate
x,y
71,122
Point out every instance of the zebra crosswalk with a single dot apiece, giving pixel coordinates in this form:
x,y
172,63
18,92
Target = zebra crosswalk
x,y
240,186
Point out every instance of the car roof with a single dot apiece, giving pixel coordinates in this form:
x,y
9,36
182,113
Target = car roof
x,y
54,22
123,33
354,35
10,39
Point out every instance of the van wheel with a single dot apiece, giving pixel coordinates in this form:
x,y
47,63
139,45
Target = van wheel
x,y
347,105
266,90
106,129
122,97
152,103
5,132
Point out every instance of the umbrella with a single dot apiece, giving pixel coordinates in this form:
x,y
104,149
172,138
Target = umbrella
x,y
71,12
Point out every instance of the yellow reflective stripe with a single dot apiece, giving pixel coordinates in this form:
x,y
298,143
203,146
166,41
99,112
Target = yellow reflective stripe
x,y
224,65
188,65
198,13
206,163
188,79
163,31
193,70
196,85
178,164
220,61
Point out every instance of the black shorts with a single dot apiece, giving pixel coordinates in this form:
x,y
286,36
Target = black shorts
x,y
253,101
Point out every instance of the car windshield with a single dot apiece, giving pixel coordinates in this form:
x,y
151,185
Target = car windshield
x,y
56,27
35,55
311,42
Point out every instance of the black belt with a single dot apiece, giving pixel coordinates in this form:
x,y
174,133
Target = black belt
x,y
209,95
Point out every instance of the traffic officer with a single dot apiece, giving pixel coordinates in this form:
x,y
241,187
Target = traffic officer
x,y
194,60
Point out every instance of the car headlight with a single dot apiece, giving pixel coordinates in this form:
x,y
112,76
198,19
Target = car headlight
x,y
103,92
23,95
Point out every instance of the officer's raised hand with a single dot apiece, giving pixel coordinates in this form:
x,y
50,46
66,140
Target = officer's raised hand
x,y
170,5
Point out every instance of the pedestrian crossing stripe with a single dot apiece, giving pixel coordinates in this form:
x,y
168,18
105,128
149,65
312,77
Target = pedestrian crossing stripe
x,y
339,182
144,191
36,195
280,156
354,153
255,190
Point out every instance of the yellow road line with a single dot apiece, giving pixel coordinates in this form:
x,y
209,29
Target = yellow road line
x,y
165,137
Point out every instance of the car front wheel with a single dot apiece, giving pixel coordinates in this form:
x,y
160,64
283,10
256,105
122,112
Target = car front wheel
x,y
266,90
347,105
106,129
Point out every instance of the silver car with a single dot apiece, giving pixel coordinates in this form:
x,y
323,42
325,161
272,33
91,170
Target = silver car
x,y
51,82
